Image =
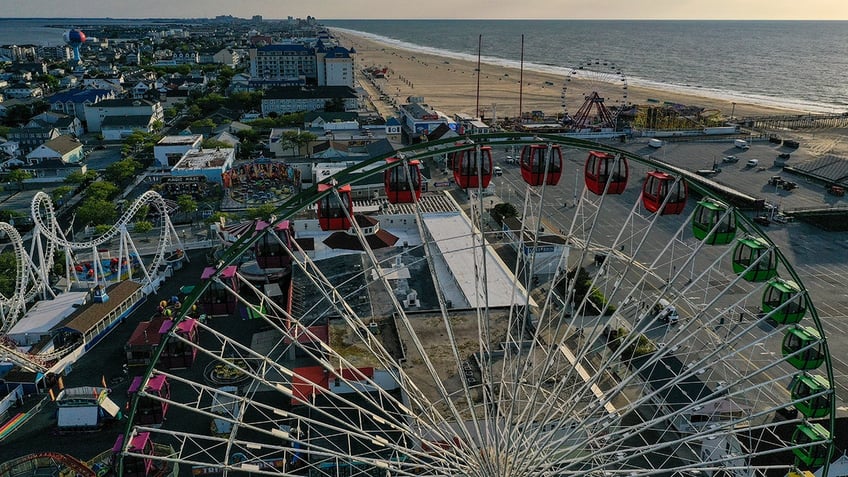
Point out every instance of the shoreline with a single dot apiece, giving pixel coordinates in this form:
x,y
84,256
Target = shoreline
x,y
449,82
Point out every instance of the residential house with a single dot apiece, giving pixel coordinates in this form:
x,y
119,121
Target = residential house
x,y
53,170
295,99
227,138
23,90
75,102
33,135
62,122
320,119
116,128
115,84
139,91
64,148
95,114
186,58
228,56
9,148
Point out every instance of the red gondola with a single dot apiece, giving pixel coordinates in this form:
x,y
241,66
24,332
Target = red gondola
x,y
602,167
658,186
271,248
397,181
465,167
179,354
217,300
150,411
533,164
331,213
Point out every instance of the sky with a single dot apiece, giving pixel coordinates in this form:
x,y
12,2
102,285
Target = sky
x,y
467,9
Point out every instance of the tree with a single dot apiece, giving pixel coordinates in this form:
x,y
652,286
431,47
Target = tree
x,y
202,123
96,211
217,216
215,144
123,171
503,211
8,273
186,203
298,139
142,226
78,178
102,190
60,193
18,176
262,212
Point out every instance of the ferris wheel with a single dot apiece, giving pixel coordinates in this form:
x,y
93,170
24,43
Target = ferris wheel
x,y
593,94
639,332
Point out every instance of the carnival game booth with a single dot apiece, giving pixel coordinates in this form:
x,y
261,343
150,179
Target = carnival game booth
x,y
217,300
150,411
178,353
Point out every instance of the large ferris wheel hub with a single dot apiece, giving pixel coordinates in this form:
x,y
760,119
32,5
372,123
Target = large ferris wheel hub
x,y
561,360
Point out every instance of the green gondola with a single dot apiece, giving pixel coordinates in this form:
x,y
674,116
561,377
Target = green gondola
x,y
816,394
709,225
807,339
781,291
748,250
815,442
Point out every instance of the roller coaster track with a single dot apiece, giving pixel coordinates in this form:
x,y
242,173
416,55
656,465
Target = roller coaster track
x,y
50,229
32,269
45,459
11,307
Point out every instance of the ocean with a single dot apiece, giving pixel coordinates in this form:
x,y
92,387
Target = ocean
x,y
791,64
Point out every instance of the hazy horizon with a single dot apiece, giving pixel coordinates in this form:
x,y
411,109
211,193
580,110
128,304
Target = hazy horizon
x,y
472,10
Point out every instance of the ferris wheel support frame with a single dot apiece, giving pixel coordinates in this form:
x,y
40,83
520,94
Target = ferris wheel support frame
x,y
305,200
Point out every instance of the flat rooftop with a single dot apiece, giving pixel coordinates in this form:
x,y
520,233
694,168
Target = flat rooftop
x,y
205,159
452,234
179,140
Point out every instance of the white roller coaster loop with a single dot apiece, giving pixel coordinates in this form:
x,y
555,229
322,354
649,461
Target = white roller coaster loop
x,y
33,268
43,213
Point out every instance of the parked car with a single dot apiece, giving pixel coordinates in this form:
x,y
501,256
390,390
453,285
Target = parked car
x,y
783,155
752,162
729,159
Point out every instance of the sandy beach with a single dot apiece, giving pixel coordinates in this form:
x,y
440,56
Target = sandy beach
x,y
450,85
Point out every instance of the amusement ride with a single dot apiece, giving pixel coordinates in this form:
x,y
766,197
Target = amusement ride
x,y
655,331
599,87
88,264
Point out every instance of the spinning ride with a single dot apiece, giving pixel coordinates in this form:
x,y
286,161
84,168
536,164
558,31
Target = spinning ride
x,y
625,344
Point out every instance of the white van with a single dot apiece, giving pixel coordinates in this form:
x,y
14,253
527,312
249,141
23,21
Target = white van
x,y
665,311
655,143
741,144
498,171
